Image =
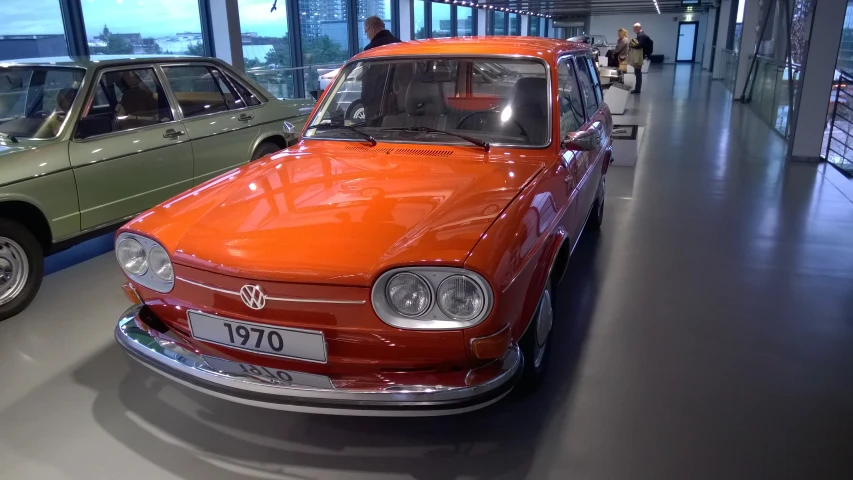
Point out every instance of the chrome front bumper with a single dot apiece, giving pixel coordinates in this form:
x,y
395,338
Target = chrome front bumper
x,y
166,357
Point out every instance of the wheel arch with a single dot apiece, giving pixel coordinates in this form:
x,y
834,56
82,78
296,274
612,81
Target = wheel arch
x,y
271,137
31,217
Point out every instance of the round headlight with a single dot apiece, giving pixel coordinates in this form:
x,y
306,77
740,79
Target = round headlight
x,y
160,263
460,298
408,294
131,256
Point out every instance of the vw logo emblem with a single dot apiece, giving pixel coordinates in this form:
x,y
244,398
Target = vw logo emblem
x,y
253,297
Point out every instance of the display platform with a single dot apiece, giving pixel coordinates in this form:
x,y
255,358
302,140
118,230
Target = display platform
x,y
626,144
616,97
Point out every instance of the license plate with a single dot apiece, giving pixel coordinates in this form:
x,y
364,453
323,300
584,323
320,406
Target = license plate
x,y
272,375
255,337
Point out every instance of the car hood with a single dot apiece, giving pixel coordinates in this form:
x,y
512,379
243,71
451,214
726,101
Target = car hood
x,y
342,216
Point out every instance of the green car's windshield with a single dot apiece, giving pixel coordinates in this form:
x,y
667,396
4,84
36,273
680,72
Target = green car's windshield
x,y
495,100
35,100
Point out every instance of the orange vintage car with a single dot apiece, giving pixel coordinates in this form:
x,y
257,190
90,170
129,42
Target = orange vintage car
x,y
397,264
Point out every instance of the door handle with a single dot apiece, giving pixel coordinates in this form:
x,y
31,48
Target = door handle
x,y
245,118
173,134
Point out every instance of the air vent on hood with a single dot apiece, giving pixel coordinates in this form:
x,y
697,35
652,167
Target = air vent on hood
x,y
423,152
362,148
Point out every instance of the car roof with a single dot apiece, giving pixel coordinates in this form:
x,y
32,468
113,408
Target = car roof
x,y
547,49
96,60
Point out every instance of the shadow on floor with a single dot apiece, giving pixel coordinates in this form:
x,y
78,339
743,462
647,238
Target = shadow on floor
x,y
197,437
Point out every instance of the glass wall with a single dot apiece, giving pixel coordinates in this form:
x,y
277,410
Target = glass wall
x,y
370,8
440,20
533,27
138,27
31,29
498,23
465,21
419,14
514,24
266,46
325,38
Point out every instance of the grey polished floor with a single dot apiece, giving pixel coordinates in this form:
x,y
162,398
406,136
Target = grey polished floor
x,y
707,333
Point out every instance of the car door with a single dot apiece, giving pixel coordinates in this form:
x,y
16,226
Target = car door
x,y
222,126
128,152
572,119
590,169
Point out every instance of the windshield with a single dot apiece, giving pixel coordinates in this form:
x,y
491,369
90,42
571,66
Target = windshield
x,y
496,100
35,100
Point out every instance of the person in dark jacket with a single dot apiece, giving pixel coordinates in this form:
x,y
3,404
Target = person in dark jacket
x,y
646,44
373,78
378,35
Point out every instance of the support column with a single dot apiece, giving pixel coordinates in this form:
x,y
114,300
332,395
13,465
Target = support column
x,y
482,26
753,16
525,25
818,70
227,41
405,27
727,19
709,38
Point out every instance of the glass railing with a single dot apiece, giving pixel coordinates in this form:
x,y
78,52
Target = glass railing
x,y
774,88
730,64
281,82
838,135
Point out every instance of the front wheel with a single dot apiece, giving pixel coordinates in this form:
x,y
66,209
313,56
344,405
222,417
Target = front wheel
x,y
356,112
534,343
21,268
264,149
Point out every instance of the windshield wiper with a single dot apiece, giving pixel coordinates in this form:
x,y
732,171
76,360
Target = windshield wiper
x,y
334,126
9,137
476,141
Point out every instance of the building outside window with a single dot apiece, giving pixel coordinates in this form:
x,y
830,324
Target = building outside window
x,y
370,8
325,38
533,27
419,14
32,29
116,27
266,46
514,24
465,21
440,20
498,22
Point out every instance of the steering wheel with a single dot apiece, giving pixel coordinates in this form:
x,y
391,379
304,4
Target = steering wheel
x,y
492,112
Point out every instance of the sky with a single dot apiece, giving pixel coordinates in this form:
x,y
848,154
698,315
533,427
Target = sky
x,y
151,18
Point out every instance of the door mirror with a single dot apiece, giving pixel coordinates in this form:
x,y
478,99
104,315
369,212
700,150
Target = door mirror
x,y
582,141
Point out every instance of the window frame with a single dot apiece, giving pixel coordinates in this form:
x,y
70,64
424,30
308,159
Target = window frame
x,y
92,92
75,110
596,80
170,93
589,115
573,71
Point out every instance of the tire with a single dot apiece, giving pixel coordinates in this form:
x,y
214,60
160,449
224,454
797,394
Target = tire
x,y
596,215
356,111
534,349
265,148
21,268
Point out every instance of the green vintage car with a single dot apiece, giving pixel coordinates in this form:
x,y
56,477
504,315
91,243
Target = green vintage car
x,y
87,143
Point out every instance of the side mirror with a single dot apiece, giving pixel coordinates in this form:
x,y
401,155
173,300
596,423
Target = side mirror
x,y
582,141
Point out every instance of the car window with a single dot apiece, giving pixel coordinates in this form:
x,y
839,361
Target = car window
x,y
124,100
201,90
34,101
250,98
498,100
596,83
571,104
589,99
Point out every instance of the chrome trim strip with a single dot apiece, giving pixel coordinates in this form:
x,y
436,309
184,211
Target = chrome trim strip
x,y
415,399
277,299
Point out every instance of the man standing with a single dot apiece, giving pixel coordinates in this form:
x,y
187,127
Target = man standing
x,y
643,43
375,30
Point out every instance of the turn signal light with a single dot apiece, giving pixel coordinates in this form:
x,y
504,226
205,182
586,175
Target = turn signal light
x,y
493,346
131,294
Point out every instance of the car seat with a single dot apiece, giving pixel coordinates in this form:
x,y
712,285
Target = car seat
x,y
529,103
140,108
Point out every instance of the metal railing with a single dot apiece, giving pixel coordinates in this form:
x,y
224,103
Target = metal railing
x,y
770,96
838,135
281,82
730,64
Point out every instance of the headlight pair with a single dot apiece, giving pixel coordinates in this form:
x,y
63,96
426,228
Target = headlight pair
x,y
145,261
431,298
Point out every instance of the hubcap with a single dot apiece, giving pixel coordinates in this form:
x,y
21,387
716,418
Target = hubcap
x,y
358,114
544,321
14,270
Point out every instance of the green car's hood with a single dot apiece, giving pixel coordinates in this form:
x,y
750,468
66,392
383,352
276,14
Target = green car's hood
x,y
9,149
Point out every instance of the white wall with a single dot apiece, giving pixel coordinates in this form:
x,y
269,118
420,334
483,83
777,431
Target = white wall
x,y
661,28
722,33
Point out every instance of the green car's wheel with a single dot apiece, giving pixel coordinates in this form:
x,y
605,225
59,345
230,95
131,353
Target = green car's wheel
x,y
265,148
21,268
